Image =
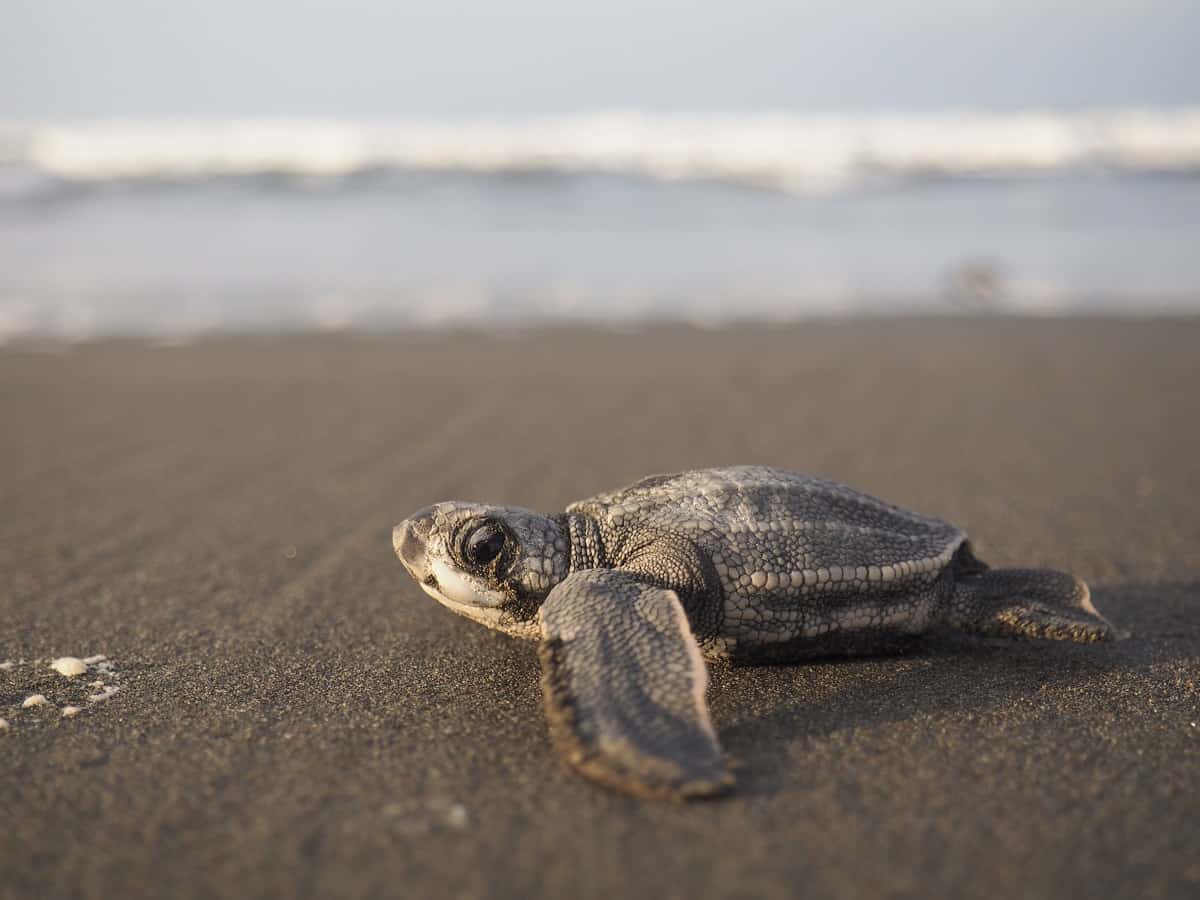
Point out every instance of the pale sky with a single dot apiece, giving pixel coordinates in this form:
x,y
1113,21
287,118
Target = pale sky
x,y
62,58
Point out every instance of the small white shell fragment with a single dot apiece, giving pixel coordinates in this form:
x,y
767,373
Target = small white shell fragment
x,y
92,660
69,711
3,724
69,666
34,700
105,692
456,816
6,665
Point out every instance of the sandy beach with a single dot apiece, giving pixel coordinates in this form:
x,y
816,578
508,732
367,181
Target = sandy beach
x,y
295,719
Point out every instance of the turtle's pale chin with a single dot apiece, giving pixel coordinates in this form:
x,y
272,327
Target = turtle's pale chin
x,y
466,609
485,615
453,586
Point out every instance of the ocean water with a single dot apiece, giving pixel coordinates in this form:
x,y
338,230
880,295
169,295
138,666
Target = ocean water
x,y
174,228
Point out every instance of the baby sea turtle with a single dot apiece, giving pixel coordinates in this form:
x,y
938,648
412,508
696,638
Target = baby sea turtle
x,y
631,590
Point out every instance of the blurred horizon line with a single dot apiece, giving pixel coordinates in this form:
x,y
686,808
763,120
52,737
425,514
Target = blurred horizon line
x,y
75,324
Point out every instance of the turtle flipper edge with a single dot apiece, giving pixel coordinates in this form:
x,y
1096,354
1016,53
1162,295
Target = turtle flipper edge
x,y
624,686
1035,603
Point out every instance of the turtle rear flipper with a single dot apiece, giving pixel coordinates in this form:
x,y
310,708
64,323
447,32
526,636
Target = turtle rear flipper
x,y
1035,603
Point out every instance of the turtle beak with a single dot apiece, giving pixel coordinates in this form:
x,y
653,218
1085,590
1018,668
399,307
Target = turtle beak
x,y
409,540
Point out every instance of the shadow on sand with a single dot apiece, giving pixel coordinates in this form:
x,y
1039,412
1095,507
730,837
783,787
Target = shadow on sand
x,y
759,710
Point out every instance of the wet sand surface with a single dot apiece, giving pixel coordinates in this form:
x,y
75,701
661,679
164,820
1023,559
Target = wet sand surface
x,y
296,719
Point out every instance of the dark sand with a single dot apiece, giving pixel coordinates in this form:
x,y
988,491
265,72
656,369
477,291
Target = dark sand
x,y
297,720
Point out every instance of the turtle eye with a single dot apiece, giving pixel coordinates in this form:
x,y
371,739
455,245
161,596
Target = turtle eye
x,y
483,544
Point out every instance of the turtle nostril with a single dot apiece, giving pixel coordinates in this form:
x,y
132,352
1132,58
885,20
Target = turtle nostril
x,y
408,540
421,522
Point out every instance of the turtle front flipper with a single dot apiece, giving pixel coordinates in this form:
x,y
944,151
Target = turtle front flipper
x,y
624,685
1036,603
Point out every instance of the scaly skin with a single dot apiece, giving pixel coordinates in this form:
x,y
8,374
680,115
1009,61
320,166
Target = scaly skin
x,y
628,589
776,566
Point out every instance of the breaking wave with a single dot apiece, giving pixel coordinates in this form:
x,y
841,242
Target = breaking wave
x,y
794,153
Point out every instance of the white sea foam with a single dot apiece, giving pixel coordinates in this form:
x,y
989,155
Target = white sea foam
x,y
800,153
410,224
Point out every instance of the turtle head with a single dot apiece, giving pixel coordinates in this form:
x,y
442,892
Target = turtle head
x,y
494,564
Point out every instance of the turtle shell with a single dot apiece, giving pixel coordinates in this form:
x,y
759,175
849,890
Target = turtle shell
x,y
782,534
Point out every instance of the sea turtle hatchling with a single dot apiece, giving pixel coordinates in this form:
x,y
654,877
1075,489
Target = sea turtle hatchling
x,y
631,590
